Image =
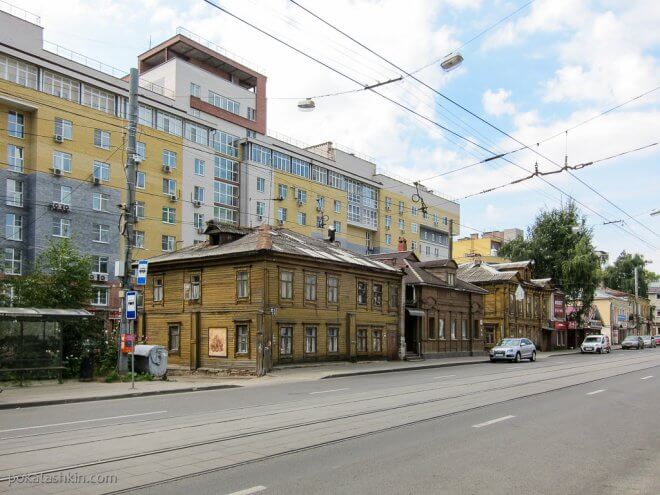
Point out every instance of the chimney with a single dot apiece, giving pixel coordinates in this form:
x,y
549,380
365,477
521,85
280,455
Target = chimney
x,y
403,244
331,235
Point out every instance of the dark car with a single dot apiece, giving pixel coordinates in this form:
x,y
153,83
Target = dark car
x,y
632,342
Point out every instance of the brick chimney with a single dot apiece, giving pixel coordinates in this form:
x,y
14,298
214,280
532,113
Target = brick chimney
x,y
403,244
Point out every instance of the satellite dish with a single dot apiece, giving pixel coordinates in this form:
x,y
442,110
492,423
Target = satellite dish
x,y
306,105
451,61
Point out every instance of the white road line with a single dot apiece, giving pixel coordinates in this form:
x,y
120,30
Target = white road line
x,y
646,377
444,376
327,392
492,421
596,391
84,421
249,491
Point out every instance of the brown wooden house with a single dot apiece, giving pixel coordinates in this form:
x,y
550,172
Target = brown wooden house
x,y
516,305
443,313
253,299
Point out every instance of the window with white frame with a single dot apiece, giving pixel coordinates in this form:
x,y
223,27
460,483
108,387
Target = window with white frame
x,y
15,160
140,180
100,201
336,180
333,339
302,218
301,195
310,340
388,239
13,261
146,116
169,215
198,194
261,184
261,210
141,150
13,227
98,99
281,214
62,161
320,202
198,220
169,158
225,143
63,194
402,224
18,72
100,264
286,341
251,114
101,233
99,296
337,225
286,284
413,210
15,124
61,227
337,206
281,161
139,210
226,194
197,134
168,123
225,103
413,227
60,86
300,167
402,207
200,167
319,174
310,287
138,239
195,90
225,169
101,171
169,187
242,339
168,243
63,128
362,340
14,192
282,191
226,215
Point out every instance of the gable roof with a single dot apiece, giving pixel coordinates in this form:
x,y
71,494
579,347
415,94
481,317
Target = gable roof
x,y
282,241
512,264
483,272
395,255
438,263
417,275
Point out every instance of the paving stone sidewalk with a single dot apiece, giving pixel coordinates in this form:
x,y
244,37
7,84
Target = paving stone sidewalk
x,y
49,392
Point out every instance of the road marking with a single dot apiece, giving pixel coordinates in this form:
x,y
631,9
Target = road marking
x,y
84,421
249,491
596,391
326,392
646,377
443,376
492,421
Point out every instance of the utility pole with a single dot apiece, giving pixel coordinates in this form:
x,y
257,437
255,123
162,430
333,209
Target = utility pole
x,y
126,325
636,301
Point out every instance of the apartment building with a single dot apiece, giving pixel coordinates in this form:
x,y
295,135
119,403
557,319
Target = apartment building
x,y
204,153
486,247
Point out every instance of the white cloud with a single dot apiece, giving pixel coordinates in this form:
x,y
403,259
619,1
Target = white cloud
x,y
497,102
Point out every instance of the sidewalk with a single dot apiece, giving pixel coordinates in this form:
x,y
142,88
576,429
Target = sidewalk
x,y
49,392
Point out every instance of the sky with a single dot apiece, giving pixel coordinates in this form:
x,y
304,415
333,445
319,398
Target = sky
x,y
548,68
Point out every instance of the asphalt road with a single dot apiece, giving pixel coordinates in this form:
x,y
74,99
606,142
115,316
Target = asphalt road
x,y
569,424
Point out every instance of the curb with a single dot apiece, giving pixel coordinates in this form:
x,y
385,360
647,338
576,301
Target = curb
x,y
407,368
39,403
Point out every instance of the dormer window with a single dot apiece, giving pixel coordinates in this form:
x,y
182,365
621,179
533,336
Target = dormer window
x,y
450,278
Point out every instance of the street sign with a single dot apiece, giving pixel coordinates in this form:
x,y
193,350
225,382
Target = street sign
x,y
142,268
131,305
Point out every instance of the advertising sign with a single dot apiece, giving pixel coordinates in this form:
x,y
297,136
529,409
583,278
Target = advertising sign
x,y
559,311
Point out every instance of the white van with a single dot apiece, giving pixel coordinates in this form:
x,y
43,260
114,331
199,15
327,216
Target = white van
x,y
596,343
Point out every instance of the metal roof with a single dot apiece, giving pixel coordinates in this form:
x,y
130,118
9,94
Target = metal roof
x,y
512,264
483,272
282,241
417,275
44,313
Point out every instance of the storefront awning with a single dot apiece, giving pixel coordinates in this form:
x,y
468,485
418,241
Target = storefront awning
x,y
416,312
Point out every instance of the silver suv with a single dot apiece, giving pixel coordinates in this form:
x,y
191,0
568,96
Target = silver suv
x,y
513,350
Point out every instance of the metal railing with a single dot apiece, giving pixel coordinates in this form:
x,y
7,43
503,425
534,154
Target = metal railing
x,y
217,48
83,60
20,13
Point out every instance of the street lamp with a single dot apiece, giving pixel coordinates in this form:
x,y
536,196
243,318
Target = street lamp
x,y
306,105
451,61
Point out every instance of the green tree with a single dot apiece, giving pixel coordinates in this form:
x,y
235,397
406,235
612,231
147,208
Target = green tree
x,y
621,274
560,244
58,279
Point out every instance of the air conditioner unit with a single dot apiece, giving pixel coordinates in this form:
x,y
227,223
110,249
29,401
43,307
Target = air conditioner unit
x,y
197,204
137,158
58,138
173,197
280,222
201,230
92,276
55,206
167,169
299,203
57,172
96,181
318,208
65,208
102,277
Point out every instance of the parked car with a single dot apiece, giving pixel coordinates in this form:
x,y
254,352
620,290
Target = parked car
x,y
657,339
649,341
513,350
632,342
596,343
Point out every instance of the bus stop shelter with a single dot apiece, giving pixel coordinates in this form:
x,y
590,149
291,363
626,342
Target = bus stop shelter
x,y
31,340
